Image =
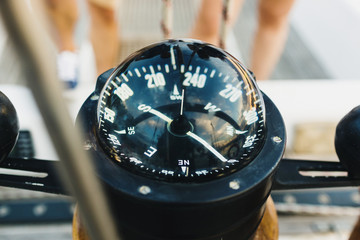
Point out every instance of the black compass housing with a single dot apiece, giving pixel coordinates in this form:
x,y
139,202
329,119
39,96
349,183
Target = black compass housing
x,y
228,207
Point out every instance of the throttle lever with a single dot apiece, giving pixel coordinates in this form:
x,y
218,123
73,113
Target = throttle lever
x,y
296,174
31,174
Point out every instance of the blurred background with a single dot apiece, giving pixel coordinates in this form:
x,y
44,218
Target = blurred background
x,y
314,84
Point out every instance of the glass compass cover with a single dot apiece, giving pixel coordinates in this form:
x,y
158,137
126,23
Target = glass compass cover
x,y
181,110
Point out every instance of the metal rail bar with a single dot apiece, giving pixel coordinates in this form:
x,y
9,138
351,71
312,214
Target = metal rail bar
x,y
39,64
292,175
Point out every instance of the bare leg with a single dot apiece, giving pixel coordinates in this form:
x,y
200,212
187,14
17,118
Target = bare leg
x,y
207,25
270,36
104,36
63,14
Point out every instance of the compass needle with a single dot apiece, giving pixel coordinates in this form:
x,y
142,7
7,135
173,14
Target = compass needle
x,y
161,115
207,145
182,102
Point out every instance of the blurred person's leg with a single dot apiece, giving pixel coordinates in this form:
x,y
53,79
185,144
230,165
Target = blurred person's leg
x,y
270,36
104,33
207,24
63,15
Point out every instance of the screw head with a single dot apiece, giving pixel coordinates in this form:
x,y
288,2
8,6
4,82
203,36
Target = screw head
x,y
277,139
234,184
145,190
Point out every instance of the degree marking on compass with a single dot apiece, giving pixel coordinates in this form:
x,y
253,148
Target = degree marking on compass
x,y
144,69
233,161
182,68
190,67
135,160
137,72
173,62
226,78
124,77
206,70
152,69
220,74
107,93
197,69
114,84
130,74
249,92
159,67
239,84
167,70
212,73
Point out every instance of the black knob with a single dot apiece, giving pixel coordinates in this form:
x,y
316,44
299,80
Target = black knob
x,y
180,126
9,126
347,142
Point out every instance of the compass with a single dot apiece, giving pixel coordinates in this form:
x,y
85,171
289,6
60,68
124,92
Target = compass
x,y
181,111
181,137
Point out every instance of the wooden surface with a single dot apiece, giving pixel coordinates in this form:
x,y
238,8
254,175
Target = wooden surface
x,y
355,235
269,226
78,232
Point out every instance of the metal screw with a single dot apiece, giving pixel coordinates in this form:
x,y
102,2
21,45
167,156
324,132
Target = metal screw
x,y
277,139
4,211
288,198
234,184
39,210
94,97
144,190
355,197
324,198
